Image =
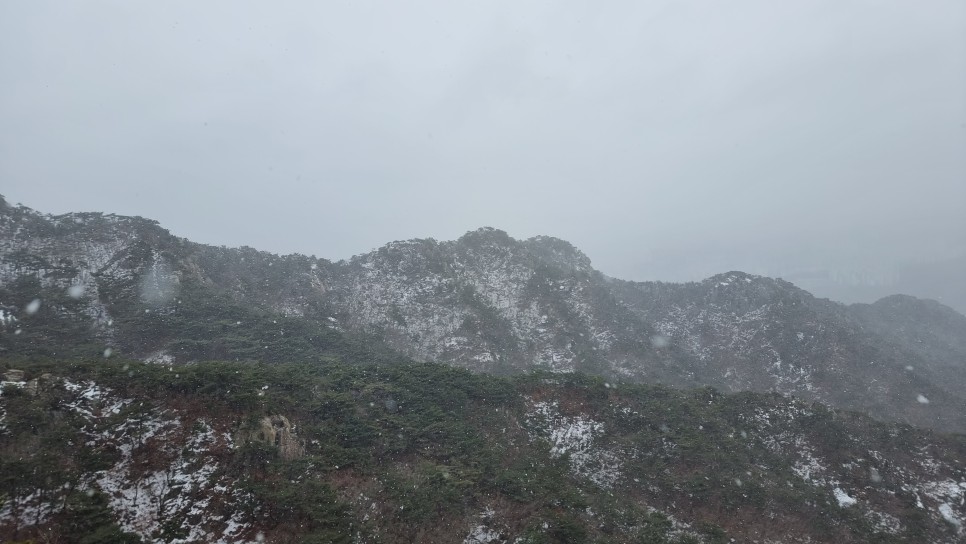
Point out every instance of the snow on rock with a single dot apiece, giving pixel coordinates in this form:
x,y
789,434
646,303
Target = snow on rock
x,y
843,498
949,515
483,532
809,467
145,500
35,508
774,424
92,401
883,523
949,496
481,535
161,357
7,318
728,331
167,475
577,438
433,301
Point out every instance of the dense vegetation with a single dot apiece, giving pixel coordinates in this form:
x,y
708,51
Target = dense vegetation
x,y
199,324
431,447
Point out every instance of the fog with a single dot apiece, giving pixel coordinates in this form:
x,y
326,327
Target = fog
x,y
819,141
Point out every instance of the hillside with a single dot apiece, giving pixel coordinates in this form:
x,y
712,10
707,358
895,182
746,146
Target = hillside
x,y
934,332
161,390
485,302
125,451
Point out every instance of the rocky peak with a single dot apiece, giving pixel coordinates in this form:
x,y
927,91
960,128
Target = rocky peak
x,y
480,249
745,292
407,257
560,253
486,237
486,302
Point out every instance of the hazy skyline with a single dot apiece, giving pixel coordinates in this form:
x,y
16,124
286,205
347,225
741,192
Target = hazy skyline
x,y
667,140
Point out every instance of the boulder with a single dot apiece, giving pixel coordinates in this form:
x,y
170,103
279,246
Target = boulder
x,y
276,431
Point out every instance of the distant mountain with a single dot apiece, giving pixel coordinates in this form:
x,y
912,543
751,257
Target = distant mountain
x,y
485,302
932,331
939,279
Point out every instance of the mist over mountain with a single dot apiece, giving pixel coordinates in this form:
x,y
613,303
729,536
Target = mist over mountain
x,y
485,302
490,272
863,273
482,389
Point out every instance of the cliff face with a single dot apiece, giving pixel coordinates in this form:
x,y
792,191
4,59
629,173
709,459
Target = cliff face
x,y
491,303
485,302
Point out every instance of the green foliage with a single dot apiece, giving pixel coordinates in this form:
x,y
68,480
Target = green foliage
x,y
54,330
712,533
565,529
311,505
537,479
655,529
429,442
88,520
428,491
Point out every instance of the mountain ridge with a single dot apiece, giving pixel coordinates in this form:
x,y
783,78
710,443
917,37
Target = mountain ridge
x,y
234,395
490,303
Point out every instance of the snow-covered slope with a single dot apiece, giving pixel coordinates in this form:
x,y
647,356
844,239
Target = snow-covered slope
x,y
486,302
428,453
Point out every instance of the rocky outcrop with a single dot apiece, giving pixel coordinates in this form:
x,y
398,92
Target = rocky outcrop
x,y
276,431
485,302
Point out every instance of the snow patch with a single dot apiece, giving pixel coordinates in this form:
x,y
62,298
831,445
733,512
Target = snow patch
x,y
7,318
160,358
576,437
843,498
481,533
884,523
947,513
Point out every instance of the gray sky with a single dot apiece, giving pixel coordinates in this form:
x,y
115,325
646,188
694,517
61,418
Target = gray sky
x,y
668,140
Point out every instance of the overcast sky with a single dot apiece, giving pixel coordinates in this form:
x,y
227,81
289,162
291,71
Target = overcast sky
x,y
668,140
